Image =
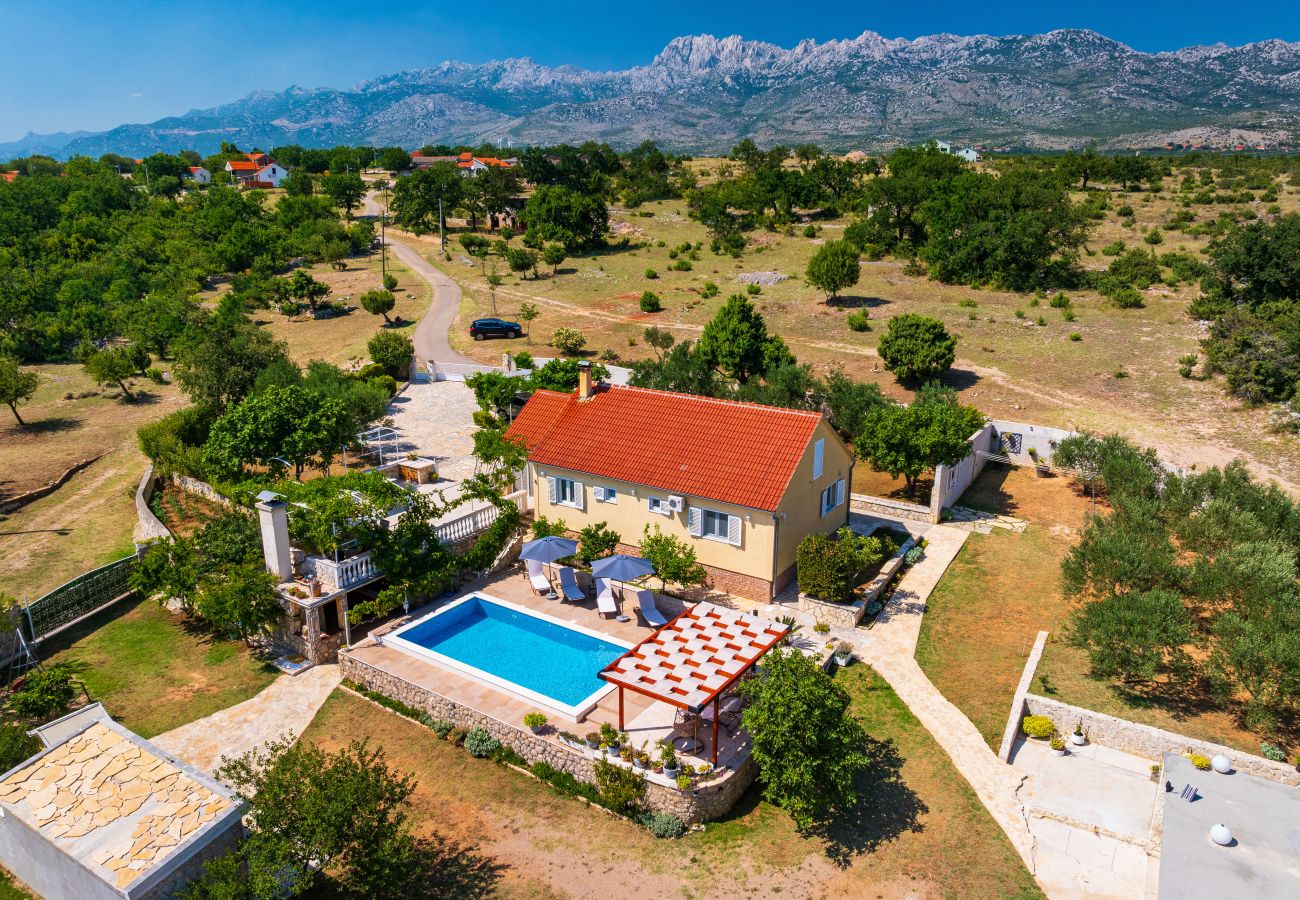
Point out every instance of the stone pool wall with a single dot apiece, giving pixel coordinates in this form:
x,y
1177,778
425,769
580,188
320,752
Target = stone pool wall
x,y
708,801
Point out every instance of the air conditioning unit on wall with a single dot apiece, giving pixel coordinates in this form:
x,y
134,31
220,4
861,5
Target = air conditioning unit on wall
x,y
676,504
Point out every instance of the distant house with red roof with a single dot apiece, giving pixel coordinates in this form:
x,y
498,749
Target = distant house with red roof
x,y
258,170
741,483
468,163
8,176
199,175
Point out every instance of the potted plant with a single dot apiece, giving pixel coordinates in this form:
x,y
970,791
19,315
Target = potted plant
x,y
593,740
1058,747
822,628
608,736
668,757
1155,771
1040,467
843,653
637,764
625,752
1078,738
535,722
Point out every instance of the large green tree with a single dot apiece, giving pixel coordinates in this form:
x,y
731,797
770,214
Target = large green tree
x,y
290,423
736,341
16,386
576,220
419,197
239,600
112,365
345,190
834,267
933,430
808,747
219,356
917,348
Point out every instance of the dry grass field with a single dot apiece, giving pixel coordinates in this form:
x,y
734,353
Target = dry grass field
x,y
918,832
1007,366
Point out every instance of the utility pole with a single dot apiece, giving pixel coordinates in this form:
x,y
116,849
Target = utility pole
x,y
442,232
383,234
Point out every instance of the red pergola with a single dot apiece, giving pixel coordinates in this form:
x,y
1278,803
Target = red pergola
x,y
694,659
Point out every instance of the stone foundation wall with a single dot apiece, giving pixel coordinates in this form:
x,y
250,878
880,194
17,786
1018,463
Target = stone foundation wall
x,y
1148,742
838,615
708,801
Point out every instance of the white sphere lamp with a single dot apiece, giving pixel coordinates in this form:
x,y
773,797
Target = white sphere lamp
x,y
1221,764
1221,834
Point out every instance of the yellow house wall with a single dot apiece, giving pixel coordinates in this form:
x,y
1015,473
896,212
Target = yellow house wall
x,y
630,514
800,508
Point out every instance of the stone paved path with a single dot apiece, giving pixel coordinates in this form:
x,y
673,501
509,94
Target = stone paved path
x,y
285,707
436,419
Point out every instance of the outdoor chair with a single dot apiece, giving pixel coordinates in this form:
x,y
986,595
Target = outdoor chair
x,y
537,578
646,604
729,714
605,603
569,589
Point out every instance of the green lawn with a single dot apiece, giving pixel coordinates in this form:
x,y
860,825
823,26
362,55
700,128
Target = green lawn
x,y
919,829
154,671
8,891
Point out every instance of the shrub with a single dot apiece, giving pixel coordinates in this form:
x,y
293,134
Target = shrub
x,y
917,348
620,789
822,628
913,556
597,540
1201,762
1038,726
753,290
1040,321
1019,313
154,374
390,282
392,350
683,782
651,274
859,320
16,745
534,720
441,727
1114,249
1060,300
810,230
480,744
44,693
1125,211
386,383
1057,744
682,265
568,340
1068,315
709,290
1154,237
665,825
1075,336
1272,751
650,302
828,565
1126,297
968,303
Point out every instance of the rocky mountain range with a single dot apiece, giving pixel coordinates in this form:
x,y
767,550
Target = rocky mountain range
x,y
701,94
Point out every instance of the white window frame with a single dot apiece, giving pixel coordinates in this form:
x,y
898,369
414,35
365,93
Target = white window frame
x,y
819,455
557,492
658,505
731,525
832,497
610,495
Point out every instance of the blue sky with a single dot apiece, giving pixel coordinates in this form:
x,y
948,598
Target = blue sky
x,y
67,66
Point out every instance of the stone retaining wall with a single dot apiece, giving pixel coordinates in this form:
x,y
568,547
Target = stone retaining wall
x,y
148,527
890,509
195,486
849,615
707,802
1148,742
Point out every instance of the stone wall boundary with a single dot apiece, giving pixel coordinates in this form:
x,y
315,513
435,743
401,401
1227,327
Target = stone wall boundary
x,y
707,802
849,615
202,488
1150,742
1018,701
14,504
148,527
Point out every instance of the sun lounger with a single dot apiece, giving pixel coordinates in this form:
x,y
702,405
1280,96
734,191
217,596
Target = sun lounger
x,y
569,589
646,603
605,598
541,584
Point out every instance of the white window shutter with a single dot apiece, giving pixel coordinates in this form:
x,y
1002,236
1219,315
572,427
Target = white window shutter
x,y
819,451
551,490
598,493
839,492
695,521
821,503
734,525
579,497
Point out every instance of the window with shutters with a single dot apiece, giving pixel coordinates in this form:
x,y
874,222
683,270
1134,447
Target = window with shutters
x,y
657,505
611,495
833,496
715,525
566,492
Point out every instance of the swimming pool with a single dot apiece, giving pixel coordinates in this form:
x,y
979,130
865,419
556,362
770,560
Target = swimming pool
x,y
526,653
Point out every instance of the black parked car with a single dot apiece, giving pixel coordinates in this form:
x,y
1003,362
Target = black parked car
x,y
484,328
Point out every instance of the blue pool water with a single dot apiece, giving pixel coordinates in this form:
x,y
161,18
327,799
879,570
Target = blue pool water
x,y
549,659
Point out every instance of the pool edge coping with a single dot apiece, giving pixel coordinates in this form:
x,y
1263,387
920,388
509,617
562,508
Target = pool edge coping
x,y
578,712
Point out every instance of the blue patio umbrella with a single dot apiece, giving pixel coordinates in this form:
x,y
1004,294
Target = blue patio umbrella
x,y
548,549
621,567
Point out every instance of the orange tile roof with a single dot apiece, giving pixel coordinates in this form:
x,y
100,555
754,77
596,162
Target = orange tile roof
x,y
241,165
740,453
8,176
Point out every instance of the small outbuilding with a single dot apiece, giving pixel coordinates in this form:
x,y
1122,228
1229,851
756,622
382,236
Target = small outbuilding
x,y
102,814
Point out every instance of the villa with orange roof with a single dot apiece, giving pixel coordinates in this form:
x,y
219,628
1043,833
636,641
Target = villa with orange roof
x,y
468,163
258,170
741,483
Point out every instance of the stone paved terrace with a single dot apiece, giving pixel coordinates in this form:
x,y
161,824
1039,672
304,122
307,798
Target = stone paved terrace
x,y
645,720
436,420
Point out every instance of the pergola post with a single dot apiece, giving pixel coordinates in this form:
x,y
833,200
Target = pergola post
x,y
620,707
715,732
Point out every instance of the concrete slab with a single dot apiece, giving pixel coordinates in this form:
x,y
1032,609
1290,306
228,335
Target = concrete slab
x,y
1082,788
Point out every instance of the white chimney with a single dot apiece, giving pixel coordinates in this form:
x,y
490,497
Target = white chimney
x,y
584,380
273,517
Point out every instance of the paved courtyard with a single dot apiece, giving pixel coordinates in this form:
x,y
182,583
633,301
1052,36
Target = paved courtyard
x,y
436,420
